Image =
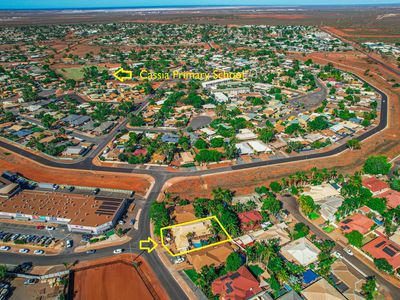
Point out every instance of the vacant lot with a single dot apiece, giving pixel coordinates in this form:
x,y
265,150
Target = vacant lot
x,y
74,73
114,278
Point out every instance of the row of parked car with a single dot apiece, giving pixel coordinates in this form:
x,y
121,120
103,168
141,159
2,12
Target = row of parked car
x,y
26,239
23,251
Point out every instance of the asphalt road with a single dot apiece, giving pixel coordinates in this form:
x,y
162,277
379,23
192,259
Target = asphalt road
x,y
171,286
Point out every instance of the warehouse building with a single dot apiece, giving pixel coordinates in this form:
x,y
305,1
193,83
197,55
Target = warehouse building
x,y
80,213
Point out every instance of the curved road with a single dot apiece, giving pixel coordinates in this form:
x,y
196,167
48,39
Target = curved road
x,y
166,279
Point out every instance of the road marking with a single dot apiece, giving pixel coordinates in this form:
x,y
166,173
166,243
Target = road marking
x,y
136,225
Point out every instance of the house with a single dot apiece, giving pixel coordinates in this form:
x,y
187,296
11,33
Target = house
x,y
250,220
291,295
240,284
375,185
392,197
200,230
321,289
301,251
277,231
381,247
357,222
345,281
211,256
183,213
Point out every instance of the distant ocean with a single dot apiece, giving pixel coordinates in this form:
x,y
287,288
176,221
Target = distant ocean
x,y
191,7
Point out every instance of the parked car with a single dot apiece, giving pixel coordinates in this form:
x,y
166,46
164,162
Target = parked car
x,y
5,248
40,227
337,254
132,221
69,243
55,187
348,251
23,250
121,222
38,252
50,228
91,251
30,281
118,251
71,188
96,191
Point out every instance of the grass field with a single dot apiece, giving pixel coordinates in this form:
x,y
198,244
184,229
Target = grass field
x,y
313,216
328,229
75,73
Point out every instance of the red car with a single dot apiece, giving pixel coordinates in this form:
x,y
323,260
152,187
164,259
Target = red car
x,y
40,227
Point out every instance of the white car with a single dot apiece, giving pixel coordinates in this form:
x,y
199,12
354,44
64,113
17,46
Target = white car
x,y
69,243
118,251
348,251
50,228
23,250
38,252
337,255
5,248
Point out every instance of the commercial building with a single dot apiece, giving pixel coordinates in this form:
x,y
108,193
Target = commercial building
x,y
80,213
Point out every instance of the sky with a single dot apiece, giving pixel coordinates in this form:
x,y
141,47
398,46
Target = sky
x,y
54,4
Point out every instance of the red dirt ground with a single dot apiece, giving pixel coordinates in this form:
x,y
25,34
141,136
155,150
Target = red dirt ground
x,y
37,172
275,16
115,280
348,33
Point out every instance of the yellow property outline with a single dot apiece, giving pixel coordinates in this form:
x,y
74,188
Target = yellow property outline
x,y
229,238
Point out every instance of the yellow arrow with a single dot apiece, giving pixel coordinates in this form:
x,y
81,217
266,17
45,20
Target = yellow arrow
x,y
122,74
148,241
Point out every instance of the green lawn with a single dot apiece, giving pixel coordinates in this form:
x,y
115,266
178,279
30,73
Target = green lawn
x,y
328,229
313,216
256,270
75,73
192,274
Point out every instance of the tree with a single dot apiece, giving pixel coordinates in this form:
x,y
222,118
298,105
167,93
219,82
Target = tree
x,y
233,262
353,144
377,165
300,230
275,186
355,238
369,288
28,94
395,184
383,265
307,204
200,144
271,205
159,215
319,123
3,272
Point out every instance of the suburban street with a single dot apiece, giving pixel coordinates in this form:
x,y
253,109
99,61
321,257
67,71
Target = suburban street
x,y
160,178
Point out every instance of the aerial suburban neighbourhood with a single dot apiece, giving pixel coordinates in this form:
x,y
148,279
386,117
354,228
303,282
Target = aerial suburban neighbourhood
x,y
240,151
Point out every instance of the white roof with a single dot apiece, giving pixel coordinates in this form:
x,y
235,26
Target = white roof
x,y
246,134
259,146
322,191
244,148
207,131
301,250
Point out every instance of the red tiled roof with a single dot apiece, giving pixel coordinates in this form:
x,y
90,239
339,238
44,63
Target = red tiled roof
x,y
392,197
236,285
374,184
138,152
357,222
250,216
381,247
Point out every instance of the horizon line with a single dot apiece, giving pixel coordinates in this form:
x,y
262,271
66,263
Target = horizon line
x,y
197,6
